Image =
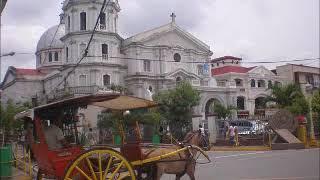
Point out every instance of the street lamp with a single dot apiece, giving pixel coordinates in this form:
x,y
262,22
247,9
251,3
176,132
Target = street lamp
x,y
310,93
8,54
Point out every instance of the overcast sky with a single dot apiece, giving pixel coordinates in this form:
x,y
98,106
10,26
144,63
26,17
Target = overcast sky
x,y
256,30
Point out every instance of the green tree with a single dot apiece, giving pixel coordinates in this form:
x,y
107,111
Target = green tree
x,y
290,97
222,111
284,95
176,106
316,102
7,121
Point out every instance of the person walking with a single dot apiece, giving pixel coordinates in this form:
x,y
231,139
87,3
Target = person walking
x,y
231,135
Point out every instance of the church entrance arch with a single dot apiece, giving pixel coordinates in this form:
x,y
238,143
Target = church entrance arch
x,y
209,107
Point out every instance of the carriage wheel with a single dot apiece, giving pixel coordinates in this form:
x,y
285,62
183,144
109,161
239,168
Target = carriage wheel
x,y
100,164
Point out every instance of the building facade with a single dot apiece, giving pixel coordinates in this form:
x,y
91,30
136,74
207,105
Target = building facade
x,y
150,61
307,77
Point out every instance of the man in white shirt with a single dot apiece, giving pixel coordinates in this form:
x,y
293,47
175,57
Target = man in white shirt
x,y
54,137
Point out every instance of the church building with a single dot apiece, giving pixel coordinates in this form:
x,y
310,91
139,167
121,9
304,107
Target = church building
x,y
150,61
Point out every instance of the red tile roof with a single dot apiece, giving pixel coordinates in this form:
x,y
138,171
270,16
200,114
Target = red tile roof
x,y
225,57
30,72
230,69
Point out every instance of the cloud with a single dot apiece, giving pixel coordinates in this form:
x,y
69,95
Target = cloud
x,y
254,29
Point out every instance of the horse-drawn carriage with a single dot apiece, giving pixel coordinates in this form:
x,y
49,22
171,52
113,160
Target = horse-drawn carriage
x,y
73,161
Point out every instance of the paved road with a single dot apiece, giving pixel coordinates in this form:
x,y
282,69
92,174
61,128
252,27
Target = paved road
x,y
268,165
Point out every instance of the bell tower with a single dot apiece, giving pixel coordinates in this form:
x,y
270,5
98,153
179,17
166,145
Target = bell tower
x,y
81,15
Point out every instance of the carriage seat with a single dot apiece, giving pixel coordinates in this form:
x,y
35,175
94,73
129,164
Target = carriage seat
x,y
132,151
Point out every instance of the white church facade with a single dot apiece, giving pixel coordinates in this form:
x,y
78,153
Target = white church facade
x,y
153,60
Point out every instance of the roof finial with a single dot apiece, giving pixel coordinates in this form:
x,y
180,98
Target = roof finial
x,y
173,17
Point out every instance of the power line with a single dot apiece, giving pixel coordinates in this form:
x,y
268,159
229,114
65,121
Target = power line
x,y
85,53
202,62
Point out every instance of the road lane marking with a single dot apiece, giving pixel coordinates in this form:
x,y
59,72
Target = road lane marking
x,y
235,155
282,178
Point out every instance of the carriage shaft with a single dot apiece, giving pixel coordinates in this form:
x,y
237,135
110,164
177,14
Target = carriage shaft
x,y
157,158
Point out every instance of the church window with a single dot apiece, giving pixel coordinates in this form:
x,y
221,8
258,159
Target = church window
x,y
115,24
103,20
67,54
104,50
177,57
269,84
200,70
222,62
82,80
253,83
50,57
56,56
237,62
146,66
83,21
218,64
106,80
239,82
178,80
261,83
69,23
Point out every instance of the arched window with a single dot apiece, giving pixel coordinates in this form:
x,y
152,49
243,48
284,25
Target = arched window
x,y
253,83
178,80
240,103
102,20
217,64
82,80
106,80
69,23
56,56
50,56
67,54
104,50
83,21
177,57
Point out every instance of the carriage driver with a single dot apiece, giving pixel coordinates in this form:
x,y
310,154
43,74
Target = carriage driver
x,y
54,136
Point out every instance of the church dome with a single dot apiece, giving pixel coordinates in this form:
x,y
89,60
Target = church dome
x,y
53,35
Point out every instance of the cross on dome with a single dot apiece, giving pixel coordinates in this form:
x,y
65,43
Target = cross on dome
x,y
173,17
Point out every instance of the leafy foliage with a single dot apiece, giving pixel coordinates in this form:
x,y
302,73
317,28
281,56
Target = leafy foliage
x,y
7,121
316,102
222,111
116,119
176,106
290,97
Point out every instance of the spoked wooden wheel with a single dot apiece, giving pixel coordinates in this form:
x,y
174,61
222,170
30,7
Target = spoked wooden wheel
x,y
100,164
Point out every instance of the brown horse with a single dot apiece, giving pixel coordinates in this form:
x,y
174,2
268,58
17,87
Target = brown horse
x,y
181,163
